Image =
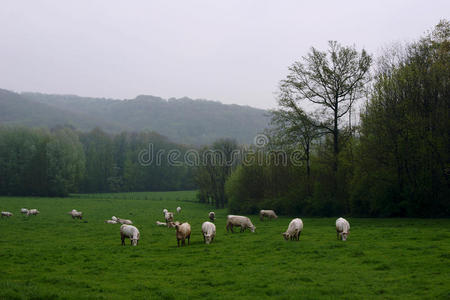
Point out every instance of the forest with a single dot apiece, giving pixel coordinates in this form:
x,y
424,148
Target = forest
x,y
395,162
57,162
392,162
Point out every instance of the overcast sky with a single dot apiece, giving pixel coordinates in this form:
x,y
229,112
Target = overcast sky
x,y
230,51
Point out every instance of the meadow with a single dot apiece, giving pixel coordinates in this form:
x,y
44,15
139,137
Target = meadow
x,y
52,256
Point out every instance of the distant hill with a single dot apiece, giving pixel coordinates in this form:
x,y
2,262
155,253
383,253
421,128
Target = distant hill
x,y
183,120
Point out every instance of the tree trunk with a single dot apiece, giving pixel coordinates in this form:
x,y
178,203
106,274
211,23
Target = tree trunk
x,y
335,140
308,170
336,151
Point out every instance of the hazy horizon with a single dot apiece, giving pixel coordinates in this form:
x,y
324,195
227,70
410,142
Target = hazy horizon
x,y
235,52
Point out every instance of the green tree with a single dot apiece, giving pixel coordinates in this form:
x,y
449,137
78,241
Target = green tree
x,y
403,158
293,126
65,162
99,161
40,163
215,167
330,80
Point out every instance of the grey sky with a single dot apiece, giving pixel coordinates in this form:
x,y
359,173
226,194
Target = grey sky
x,y
231,51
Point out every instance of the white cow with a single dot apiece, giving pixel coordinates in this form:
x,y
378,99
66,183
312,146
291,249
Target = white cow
x,y
6,214
131,232
209,232
158,223
342,229
212,216
267,213
294,230
178,209
33,212
168,216
124,221
239,221
76,214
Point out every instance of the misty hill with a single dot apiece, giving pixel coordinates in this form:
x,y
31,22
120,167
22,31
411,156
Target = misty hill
x,y
182,120
18,110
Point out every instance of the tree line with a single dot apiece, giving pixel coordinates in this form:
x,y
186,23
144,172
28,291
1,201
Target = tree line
x,y
394,162
60,161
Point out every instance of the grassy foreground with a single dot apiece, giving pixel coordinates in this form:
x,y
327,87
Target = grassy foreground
x,y
52,256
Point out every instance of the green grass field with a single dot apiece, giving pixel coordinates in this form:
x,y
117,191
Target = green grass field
x,y
51,256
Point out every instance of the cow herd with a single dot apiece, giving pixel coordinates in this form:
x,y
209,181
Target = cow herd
x,y
183,230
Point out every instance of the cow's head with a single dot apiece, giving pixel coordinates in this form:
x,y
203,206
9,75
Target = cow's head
x,y
135,239
208,238
344,235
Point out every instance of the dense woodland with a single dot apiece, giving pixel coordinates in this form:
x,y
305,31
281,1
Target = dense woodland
x,y
60,161
394,162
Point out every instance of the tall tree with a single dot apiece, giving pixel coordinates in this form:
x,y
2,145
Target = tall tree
x,y
330,80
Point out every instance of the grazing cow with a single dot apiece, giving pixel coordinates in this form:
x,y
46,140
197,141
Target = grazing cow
x,y
76,214
178,209
208,231
124,221
239,221
131,232
6,214
267,213
183,233
24,211
110,222
342,229
33,212
294,230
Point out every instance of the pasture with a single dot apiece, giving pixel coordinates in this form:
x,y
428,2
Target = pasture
x,y
51,256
